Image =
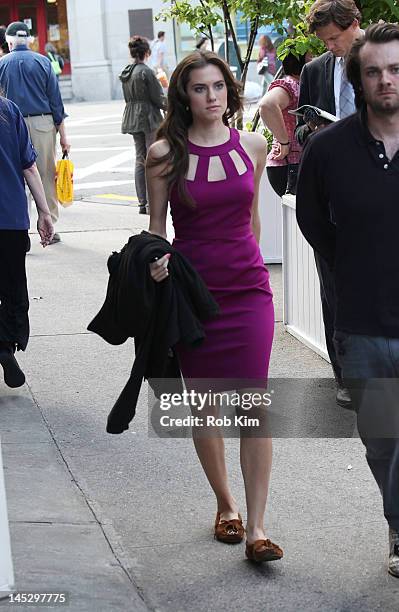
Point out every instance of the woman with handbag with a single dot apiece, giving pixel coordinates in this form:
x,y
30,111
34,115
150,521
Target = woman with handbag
x,y
142,115
281,97
210,174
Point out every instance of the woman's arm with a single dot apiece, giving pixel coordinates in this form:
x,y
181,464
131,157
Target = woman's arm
x,y
271,107
256,147
158,192
157,187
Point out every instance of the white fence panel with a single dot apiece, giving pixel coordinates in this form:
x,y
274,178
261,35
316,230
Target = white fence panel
x,y
302,305
270,212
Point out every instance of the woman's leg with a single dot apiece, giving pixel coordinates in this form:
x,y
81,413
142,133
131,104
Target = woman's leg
x,y
256,463
209,445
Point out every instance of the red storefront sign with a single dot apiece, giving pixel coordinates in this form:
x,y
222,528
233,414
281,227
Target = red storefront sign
x,y
33,12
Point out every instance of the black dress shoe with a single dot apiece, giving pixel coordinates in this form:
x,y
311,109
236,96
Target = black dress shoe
x,y
344,398
13,375
143,209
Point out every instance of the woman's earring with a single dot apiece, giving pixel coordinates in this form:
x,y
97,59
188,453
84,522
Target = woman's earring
x,y
187,108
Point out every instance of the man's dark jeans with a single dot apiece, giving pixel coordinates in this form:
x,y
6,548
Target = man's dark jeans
x,y
328,303
370,367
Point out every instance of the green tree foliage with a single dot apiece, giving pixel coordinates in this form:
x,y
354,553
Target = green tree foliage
x,y
205,15
374,10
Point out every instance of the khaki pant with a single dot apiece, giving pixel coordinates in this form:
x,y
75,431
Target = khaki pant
x,y
43,136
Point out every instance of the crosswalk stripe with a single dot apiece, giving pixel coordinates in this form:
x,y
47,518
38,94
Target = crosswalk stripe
x,y
115,196
99,184
105,165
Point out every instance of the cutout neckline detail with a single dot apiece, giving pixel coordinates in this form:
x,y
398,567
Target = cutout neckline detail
x,y
225,147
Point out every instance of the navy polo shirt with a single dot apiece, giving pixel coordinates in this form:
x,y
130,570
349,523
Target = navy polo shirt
x,y
16,154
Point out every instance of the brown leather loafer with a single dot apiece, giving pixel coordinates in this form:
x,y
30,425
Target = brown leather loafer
x,y
263,550
229,532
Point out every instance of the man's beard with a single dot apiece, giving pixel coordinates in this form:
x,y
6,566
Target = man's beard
x,y
381,108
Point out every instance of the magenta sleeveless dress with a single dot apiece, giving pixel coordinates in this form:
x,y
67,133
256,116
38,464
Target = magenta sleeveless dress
x,y
217,239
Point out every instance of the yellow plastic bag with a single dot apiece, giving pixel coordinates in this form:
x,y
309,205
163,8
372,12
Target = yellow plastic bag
x,y
64,181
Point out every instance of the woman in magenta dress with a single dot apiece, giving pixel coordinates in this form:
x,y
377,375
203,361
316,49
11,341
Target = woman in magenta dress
x,y
210,173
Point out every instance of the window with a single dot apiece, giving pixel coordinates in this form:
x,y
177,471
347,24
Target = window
x,y
141,23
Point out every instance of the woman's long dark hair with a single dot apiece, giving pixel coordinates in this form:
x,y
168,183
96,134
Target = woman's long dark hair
x,y
174,128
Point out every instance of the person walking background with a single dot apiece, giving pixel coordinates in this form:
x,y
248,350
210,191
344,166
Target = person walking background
x,y
282,96
17,162
142,115
324,84
57,61
159,54
211,173
266,61
28,79
359,192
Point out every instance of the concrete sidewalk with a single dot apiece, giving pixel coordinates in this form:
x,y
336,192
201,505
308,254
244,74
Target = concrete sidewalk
x,y
125,522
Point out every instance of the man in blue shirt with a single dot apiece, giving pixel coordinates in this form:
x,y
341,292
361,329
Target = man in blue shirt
x,y
28,79
17,163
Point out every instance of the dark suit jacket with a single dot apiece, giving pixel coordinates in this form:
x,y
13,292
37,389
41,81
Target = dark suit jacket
x,y
317,89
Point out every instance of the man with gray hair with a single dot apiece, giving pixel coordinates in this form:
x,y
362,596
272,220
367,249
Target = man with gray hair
x,y
27,78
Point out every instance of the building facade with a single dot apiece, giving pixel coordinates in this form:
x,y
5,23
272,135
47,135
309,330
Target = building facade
x,y
47,20
92,36
99,31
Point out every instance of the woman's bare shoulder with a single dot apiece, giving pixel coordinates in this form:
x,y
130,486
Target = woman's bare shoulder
x,y
253,140
159,149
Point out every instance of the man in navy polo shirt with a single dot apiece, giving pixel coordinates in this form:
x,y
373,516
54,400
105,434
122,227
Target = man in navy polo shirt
x,y
28,79
17,162
350,173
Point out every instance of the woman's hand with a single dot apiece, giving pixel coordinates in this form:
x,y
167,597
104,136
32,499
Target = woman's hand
x,y
283,152
159,268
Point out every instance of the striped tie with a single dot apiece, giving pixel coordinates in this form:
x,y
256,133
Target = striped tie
x,y
346,94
